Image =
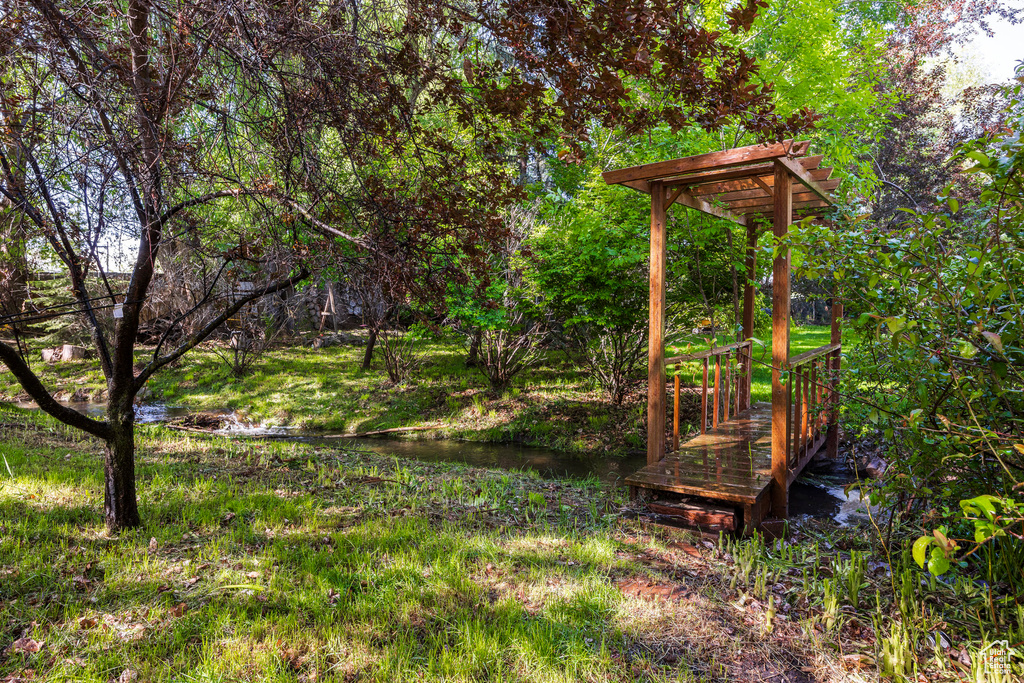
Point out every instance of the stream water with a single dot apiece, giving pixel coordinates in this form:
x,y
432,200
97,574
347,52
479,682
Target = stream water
x,y
806,499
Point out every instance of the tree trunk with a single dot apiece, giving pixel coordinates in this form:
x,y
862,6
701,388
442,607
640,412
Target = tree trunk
x,y
120,507
370,343
473,359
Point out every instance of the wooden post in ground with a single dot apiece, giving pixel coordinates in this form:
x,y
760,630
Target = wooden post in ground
x,y
832,435
656,331
748,311
783,214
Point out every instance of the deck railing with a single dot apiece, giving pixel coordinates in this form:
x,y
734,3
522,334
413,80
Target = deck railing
x,y
813,378
731,388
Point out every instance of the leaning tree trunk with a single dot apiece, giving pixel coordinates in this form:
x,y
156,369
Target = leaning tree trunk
x,y
120,506
370,343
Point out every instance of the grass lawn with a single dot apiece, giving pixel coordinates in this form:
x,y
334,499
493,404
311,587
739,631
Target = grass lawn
x,y
554,405
264,561
287,562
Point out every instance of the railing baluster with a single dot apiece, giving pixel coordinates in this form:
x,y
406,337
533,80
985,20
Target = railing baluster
x,y
718,378
704,400
675,414
815,400
790,415
739,381
725,388
806,417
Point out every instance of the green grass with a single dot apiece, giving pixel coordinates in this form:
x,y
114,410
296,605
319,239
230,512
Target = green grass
x,y
284,562
554,405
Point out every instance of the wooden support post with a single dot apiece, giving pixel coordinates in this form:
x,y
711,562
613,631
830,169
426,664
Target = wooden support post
x,y
656,331
783,213
832,435
748,310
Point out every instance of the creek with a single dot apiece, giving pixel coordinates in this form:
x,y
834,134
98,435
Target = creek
x,y
821,499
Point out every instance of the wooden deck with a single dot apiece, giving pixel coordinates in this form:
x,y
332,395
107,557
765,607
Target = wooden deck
x,y
731,464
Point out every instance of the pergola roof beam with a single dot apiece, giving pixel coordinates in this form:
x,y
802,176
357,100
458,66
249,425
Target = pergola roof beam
x,y
804,177
702,162
759,193
767,207
686,199
747,182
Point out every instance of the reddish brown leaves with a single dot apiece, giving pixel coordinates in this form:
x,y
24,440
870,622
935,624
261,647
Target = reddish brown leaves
x,y
741,17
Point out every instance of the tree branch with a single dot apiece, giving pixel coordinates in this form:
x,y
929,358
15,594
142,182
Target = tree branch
x,y
202,334
31,384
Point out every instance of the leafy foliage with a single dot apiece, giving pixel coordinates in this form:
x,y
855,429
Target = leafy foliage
x,y
940,360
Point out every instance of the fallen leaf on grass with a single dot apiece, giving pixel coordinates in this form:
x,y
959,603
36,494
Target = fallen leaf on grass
x,y
178,610
858,661
26,645
128,676
87,622
652,590
152,545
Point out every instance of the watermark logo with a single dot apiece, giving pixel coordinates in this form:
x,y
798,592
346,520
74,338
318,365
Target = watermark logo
x,y
994,660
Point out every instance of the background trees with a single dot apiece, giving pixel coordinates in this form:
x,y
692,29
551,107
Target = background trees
x,y
244,138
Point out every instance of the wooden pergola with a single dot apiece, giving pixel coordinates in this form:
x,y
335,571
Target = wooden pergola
x,y
746,185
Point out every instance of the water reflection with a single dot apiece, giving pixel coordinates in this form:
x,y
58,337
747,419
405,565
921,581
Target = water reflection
x,y
805,499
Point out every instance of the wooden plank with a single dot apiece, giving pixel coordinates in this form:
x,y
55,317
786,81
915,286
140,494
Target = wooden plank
x,y
656,330
700,162
757,193
783,211
692,473
707,353
804,177
763,185
673,197
799,196
812,354
802,462
770,208
712,518
696,472
639,185
686,199
702,489
740,180
696,181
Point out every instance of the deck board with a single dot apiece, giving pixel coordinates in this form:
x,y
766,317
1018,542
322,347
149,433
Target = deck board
x,y
732,462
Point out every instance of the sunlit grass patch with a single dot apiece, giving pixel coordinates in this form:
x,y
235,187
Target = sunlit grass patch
x,y
289,562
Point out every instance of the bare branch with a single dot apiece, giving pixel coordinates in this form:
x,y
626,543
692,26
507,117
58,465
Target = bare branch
x,y
202,334
34,388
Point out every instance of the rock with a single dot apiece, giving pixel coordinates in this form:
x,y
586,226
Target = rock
x,y
871,466
876,467
65,353
337,339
